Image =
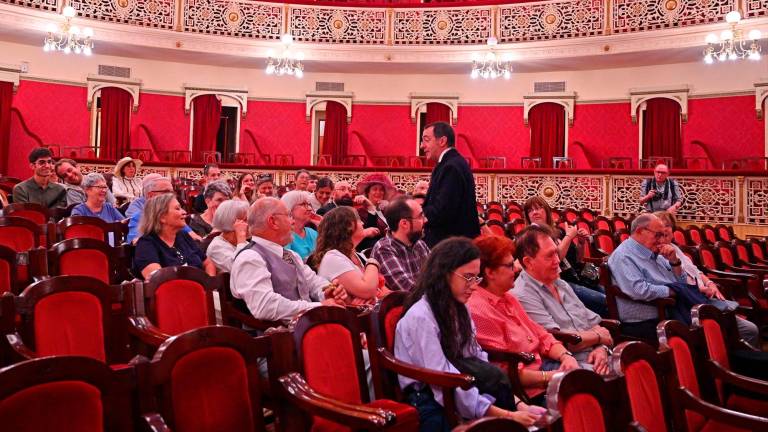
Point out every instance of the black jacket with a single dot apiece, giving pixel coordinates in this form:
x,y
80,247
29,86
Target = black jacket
x,y
450,206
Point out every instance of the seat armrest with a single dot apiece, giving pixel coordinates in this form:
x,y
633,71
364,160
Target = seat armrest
x,y
566,337
19,348
509,356
746,383
424,375
146,332
153,422
721,415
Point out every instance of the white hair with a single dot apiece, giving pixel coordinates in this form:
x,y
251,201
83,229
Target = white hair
x,y
91,179
260,211
227,213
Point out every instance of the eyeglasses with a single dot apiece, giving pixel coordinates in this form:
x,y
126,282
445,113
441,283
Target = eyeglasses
x,y
180,256
163,191
509,265
470,280
657,234
43,162
421,216
281,214
99,187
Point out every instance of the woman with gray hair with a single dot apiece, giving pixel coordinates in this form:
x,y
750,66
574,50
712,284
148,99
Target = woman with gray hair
x,y
304,238
163,243
96,205
215,193
230,220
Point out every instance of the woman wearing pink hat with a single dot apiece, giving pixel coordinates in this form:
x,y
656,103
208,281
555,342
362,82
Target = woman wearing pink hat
x,y
375,190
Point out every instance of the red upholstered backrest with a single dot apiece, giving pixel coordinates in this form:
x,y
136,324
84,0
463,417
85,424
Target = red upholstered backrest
x,y
679,237
17,238
743,252
63,406
495,216
571,216
584,225
34,216
726,256
695,236
709,233
180,305
588,216
329,362
619,224
5,276
583,413
209,391
605,242
85,262
83,231
716,347
724,233
390,325
686,374
644,396
623,236
603,225
497,230
757,251
69,323
708,258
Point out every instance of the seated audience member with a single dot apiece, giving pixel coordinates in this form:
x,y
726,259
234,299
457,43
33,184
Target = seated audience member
x,y
322,193
211,173
303,238
342,196
265,187
245,190
643,267
137,205
96,204
230,220
215,193
152,188
312,184
301,183
695,277
551,302
503,325
272,281
421,188
39,188
125,184
437,333
69,172
335,257
163,242
537,211
661,192
375,190
402,252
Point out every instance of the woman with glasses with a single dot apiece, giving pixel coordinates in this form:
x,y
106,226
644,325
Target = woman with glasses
x,y
96,205
163,243
230,220
335,257
215,193
436,332
503,325
304,238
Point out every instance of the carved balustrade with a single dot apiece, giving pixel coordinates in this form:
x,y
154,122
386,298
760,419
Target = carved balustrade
x,y
518,22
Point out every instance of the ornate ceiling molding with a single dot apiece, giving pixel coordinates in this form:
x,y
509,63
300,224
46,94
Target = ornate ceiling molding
x,y
678,94
318,97
566,99
239,94
761,92
98,82
451,100
10,73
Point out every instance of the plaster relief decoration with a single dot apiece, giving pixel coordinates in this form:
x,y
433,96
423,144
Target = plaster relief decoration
x,y
317,97
338,25
756,201
442,26
642,15
98,82
576,192
238,94
755,8
679,94
566,99
551,20
238,18
761,92
146,13
47,5
11,74
88,168
420,100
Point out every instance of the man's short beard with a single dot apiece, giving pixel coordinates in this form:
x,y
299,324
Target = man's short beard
x,y
346,200
414,236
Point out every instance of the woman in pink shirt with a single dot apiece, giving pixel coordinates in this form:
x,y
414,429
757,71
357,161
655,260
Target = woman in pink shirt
x,y
503,325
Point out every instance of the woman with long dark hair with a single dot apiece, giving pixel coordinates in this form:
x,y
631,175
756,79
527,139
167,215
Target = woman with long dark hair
x,y
437,333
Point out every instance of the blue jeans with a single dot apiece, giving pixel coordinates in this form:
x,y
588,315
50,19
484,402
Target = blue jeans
x,y
431,414
594,300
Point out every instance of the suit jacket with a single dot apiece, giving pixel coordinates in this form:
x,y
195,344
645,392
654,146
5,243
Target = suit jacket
x,y
450,206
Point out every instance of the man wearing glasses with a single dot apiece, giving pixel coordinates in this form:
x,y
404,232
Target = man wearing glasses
x,y
661,192
643,267
39,189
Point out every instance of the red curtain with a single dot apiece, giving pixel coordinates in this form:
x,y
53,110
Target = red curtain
x,y
438,112
661,129
207,112
547,122
335,136
115,123
6,95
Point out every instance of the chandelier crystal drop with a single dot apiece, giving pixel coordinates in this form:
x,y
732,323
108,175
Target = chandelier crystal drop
x,y
490,65
286,62
67,37
731,44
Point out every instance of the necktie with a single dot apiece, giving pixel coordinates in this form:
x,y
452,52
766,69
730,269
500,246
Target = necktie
x,y
288,258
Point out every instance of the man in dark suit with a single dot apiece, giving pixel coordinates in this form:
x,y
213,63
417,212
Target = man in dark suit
x,y
450,206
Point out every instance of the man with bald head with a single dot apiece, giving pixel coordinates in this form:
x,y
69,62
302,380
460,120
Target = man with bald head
x,y
661,192
342,196
273,282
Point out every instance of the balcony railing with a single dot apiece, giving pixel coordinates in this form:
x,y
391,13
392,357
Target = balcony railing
x,y
449,25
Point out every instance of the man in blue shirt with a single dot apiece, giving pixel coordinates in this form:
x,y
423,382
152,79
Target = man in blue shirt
x,y
151,187
642,267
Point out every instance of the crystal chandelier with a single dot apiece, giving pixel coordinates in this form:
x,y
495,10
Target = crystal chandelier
x,y
489,66
287,62
67,37
731,44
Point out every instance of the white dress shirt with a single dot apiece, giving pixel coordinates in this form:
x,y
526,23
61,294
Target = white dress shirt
x,y
221,252
252,282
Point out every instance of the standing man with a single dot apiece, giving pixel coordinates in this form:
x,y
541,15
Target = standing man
x,y
211,173
39,189
661,192
450,206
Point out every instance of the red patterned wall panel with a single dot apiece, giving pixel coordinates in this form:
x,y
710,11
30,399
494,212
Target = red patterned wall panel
x,y
728,126
279,127
496,131
606,130
57,113
164,117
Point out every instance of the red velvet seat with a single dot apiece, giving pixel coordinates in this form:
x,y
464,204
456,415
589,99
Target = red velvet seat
x,y
491,424
603,223
88,257
64,394
695,235
328,347
581,401
680,238
709,233
18,268
21,234
619,223
604,242
514,226
570,215
30,211
496,227
91,227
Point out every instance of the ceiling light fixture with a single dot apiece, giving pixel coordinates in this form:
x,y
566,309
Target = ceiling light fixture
x,y
67,37
489,65
287,62
732,44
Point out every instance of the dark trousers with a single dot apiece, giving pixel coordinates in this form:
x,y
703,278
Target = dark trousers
x,y
431,414
645,330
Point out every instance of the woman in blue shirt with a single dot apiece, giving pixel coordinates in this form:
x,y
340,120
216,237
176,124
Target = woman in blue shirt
x,y
96,205
304,238
436,332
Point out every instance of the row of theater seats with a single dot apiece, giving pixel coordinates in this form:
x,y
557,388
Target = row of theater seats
x,y
82,349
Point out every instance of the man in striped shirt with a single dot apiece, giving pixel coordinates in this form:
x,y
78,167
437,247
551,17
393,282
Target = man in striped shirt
x,y
402,252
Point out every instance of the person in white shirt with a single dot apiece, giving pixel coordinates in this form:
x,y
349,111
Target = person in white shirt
x,y
273,282
230,220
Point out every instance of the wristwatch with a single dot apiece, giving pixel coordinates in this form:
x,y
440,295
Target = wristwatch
x,y
566,353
